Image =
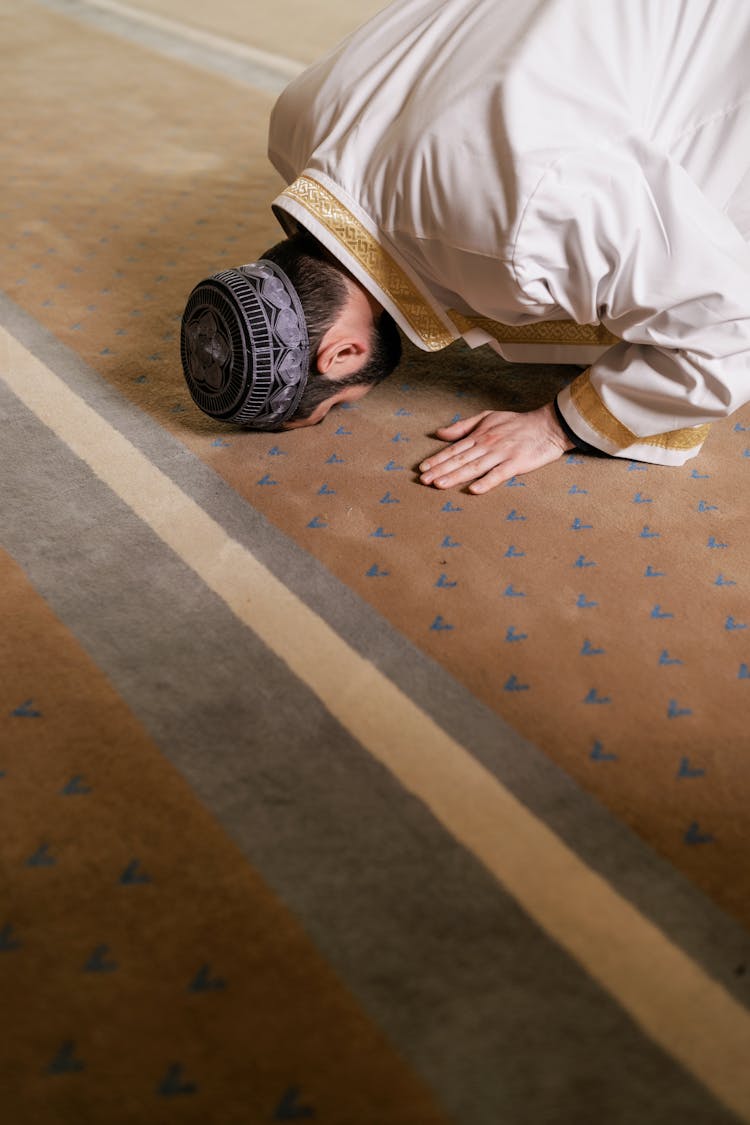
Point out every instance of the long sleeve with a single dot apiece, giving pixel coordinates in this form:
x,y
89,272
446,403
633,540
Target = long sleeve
x,y
629,240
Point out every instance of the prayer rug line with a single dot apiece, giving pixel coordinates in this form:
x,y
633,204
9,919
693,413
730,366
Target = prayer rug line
x,y
240,62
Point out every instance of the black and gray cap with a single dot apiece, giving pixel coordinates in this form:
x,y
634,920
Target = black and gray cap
x,y
244,345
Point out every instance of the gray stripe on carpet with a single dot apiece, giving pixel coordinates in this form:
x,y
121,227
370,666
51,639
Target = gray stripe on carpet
x,y
660,892
172,45
498,1020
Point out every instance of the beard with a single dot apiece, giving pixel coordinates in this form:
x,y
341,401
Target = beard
x,y
384,357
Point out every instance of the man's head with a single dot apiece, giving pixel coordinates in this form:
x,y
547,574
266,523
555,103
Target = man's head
x,y
275,344
354,343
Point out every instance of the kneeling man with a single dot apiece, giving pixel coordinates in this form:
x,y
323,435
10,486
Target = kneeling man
x,y
567,181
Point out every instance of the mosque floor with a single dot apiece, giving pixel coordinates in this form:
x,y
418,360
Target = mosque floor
x,y
327,794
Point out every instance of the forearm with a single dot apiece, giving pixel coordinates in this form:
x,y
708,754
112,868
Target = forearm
x,y
653,404
576,442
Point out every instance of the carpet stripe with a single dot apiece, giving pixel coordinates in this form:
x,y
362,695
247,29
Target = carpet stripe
x,y
287,68
666,993
238,61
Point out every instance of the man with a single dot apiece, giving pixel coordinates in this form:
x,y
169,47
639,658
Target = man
x,y
565,180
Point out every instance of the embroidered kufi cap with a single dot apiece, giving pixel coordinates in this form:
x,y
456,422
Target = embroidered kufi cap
x,y
244,346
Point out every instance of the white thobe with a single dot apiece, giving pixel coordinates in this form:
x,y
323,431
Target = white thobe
x,y
568,180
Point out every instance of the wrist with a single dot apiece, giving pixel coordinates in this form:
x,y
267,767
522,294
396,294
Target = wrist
x,y
557,432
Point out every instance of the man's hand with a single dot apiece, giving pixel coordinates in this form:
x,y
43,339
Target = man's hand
x,y
494,446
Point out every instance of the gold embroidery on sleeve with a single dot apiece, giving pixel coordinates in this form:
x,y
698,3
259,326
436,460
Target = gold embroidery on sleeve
x,y
538,332
365,249
596,414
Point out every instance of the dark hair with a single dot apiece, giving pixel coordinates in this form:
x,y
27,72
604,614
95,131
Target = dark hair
x,y
320,283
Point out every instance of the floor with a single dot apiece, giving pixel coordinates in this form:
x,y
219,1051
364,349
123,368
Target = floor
x,y
326,793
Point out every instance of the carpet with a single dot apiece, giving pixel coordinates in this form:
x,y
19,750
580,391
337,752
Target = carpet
x,y
326,795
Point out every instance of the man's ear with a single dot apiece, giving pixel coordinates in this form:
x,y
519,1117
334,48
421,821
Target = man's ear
x,y
340,356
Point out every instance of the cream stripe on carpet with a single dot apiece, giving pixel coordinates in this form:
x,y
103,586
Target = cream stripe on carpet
x,y
287,68
682,1009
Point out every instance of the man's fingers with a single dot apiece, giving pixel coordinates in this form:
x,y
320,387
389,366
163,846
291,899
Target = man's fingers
x,y
460,428
496,475
459,452
515,464
460,433
467,467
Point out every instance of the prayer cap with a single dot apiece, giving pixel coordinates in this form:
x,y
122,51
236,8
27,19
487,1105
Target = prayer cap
x,y
244,346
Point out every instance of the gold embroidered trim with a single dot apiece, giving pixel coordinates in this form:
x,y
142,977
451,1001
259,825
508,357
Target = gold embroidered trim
x,y
381,267
539,332
386,272
591,407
